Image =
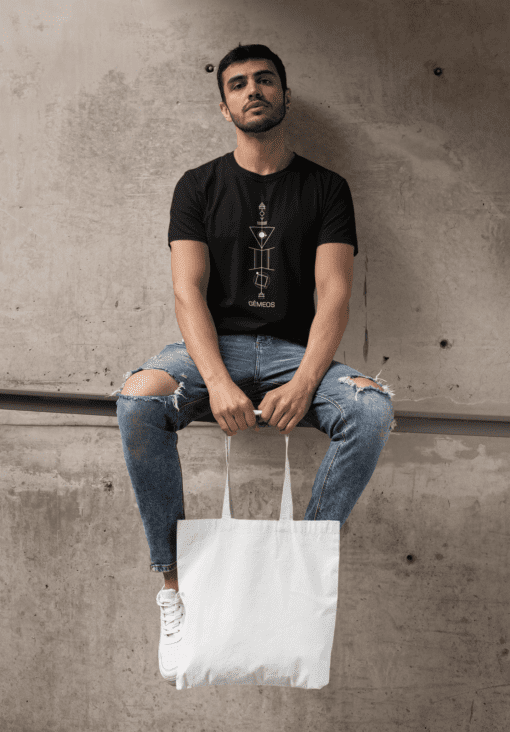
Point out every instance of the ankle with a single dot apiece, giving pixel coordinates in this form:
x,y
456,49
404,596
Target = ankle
x,y
171,581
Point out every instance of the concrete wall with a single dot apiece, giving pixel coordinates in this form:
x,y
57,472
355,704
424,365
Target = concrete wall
x,y
104,106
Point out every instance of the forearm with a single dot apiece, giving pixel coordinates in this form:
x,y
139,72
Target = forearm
x,y
201,338
326,332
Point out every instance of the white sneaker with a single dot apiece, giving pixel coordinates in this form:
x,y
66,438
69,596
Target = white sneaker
x,y
172,611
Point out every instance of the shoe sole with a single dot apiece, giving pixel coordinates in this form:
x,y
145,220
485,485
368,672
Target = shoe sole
x,y
171,680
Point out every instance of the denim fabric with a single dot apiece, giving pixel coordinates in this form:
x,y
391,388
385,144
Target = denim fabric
x,y
357,419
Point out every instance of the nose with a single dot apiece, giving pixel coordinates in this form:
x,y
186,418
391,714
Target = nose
x,y
254,92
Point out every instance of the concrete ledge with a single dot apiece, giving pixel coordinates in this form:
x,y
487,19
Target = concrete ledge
x,y
105,406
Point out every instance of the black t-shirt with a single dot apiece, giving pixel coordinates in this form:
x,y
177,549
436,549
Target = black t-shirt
x,y
262,232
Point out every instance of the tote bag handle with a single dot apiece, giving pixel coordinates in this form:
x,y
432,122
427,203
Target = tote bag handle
x,y
286,510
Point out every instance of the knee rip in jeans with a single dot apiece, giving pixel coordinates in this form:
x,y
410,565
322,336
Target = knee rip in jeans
x,y
157,397
362,385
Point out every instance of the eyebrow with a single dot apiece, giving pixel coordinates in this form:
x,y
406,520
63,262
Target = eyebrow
x,y
242,76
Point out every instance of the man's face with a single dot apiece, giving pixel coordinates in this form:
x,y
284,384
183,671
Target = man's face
x,y
255,80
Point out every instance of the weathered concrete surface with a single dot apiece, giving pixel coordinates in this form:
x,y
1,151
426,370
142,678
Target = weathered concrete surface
x,y
422,638
104,106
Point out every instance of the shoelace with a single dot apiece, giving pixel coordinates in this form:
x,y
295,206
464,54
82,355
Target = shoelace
x,y
172,612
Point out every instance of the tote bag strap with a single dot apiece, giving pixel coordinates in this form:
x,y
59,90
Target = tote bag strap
x,y
286,510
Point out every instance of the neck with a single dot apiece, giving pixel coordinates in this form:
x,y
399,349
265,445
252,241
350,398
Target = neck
x,y
263,161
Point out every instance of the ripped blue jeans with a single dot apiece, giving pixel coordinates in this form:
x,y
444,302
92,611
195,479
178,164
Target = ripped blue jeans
x,y
357,419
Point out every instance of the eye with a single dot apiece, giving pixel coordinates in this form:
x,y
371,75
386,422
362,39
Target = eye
x,y
236,85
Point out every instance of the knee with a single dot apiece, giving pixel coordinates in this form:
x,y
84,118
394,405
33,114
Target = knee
x,y
381,407
360,381
150,382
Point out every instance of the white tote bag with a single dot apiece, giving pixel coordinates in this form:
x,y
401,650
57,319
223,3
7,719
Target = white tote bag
x,y
260,597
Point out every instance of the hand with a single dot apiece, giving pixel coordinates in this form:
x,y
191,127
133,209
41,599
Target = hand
x,y
231,408
286,405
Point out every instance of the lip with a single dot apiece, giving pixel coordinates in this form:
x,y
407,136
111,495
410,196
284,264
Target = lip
x,y
255,105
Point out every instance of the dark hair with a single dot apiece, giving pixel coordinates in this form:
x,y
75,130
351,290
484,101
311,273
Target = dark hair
x,y
243,53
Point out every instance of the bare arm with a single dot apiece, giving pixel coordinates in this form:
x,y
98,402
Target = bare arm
x,y
230,406
200,336
190,274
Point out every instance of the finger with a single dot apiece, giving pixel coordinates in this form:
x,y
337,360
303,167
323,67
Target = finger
x,y
279,422
231,430
266,416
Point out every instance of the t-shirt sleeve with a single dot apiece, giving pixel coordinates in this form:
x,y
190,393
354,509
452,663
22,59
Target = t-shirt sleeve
x,y
186,212
338,222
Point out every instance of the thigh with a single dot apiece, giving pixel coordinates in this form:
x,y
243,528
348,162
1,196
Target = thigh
x,y
174,359
191,399
338,401
335,397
